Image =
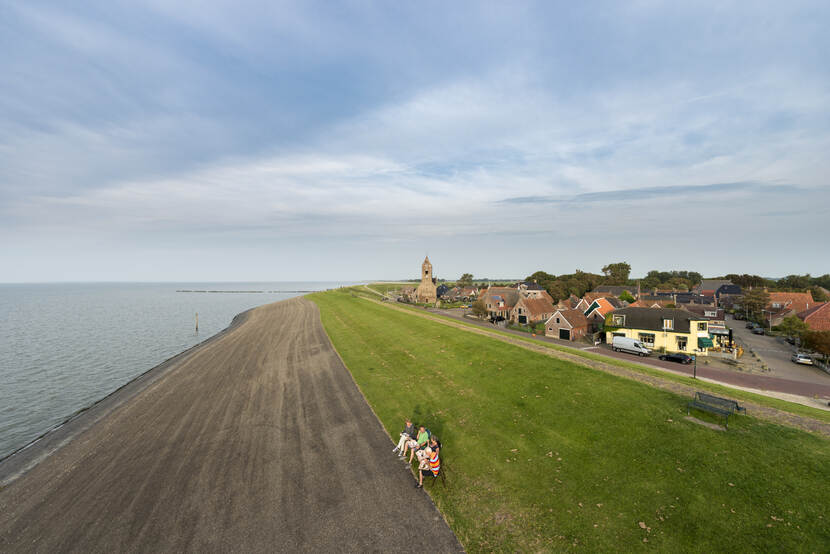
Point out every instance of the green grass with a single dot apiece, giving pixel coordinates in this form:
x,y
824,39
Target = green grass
x,y
384,288
543,454
798,409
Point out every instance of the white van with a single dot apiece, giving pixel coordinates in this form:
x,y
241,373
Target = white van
x,y
632,346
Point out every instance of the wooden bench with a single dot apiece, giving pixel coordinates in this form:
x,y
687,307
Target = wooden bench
x,y
715,405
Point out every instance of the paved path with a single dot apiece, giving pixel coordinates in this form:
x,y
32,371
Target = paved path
x,y
776,354
259,441
818,387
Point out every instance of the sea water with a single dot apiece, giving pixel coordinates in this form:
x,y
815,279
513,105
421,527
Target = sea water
x,y
65,346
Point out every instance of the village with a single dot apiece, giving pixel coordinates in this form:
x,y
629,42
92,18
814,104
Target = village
x,y
716,322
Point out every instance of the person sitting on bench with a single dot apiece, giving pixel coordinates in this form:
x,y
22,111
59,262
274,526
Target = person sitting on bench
x,y
418,444
407,434
435,444
423,466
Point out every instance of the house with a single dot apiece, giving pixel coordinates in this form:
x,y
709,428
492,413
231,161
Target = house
x,y
468,293
728,290
567,324
615,290
708,287
817,317
785,304
598,310
500,301
531,310
718,331
671,329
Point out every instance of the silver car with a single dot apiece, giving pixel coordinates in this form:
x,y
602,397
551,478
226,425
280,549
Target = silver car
x,y
802,359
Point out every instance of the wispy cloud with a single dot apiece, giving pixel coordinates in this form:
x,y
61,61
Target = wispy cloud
x,y
409,128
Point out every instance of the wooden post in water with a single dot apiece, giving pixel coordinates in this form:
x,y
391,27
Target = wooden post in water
x,y
197,322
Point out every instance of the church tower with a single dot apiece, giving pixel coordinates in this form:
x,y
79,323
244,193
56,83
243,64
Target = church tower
x,y
426,291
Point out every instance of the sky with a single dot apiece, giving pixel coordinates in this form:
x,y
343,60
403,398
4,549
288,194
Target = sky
x,y
274,141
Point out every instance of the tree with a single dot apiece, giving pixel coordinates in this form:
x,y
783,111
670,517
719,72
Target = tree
x,y
617,274
818,294
626,296
466,280
755,300
540,276
795,282
793,327
818,341
479,309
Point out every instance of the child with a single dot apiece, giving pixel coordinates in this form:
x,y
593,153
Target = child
x,y
423,467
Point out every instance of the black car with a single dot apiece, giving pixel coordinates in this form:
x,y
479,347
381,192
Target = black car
x,y
750,324
677,357
758,331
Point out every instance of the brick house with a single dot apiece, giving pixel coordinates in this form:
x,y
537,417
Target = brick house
x,y
531,310
817,317
784,304
567,324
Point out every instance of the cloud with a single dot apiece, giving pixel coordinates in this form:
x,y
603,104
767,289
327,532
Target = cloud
x,y
651,193
159,125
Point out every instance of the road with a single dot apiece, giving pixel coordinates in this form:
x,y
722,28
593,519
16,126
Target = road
x,y
259,441
820,387
776,354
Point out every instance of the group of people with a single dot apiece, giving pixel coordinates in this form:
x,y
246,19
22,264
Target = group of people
x,y
423,445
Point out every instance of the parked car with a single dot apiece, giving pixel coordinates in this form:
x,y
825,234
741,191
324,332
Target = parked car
x,y
738,315
677,357
790,340
802,359
632,346
757,330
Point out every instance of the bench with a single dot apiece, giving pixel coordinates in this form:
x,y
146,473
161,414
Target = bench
x,y
714,404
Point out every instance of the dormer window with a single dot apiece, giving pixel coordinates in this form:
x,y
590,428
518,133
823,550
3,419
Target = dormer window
x,y
619,320
668,324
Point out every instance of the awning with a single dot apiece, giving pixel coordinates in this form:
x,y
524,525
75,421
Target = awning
x,y
704,342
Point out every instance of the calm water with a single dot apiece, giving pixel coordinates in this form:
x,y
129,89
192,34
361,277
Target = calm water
x,y
65,346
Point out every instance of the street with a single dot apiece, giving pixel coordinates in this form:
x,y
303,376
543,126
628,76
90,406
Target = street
x,y
775,353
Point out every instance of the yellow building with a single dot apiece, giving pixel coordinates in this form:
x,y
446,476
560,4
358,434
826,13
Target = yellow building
x,y
667,329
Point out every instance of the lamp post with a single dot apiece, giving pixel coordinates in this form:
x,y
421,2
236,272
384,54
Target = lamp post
x,y
694,359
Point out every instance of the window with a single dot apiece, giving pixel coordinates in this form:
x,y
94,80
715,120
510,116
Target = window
x,y
557,320
668,324
619,320
776,304
647,339
701,326
710,314
681,343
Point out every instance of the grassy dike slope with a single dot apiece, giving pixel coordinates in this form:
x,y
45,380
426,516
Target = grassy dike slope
x,y
544,454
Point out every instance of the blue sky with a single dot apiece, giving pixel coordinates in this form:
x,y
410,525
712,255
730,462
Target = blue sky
x,y
291,141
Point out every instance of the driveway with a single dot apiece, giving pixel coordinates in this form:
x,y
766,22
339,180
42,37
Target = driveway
x,y
775,352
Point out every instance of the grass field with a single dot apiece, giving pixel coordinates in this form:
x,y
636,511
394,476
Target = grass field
x,y
799,409
543,454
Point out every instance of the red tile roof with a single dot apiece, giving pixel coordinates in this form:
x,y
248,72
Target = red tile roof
x,y
575,317
796,301
817,317
537,306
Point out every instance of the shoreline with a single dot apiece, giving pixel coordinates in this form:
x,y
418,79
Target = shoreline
x,y
20,461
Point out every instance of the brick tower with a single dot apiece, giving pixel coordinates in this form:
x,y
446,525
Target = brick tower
x,y
426,290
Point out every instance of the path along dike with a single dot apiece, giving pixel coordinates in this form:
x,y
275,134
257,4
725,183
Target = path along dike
x,y
257,441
